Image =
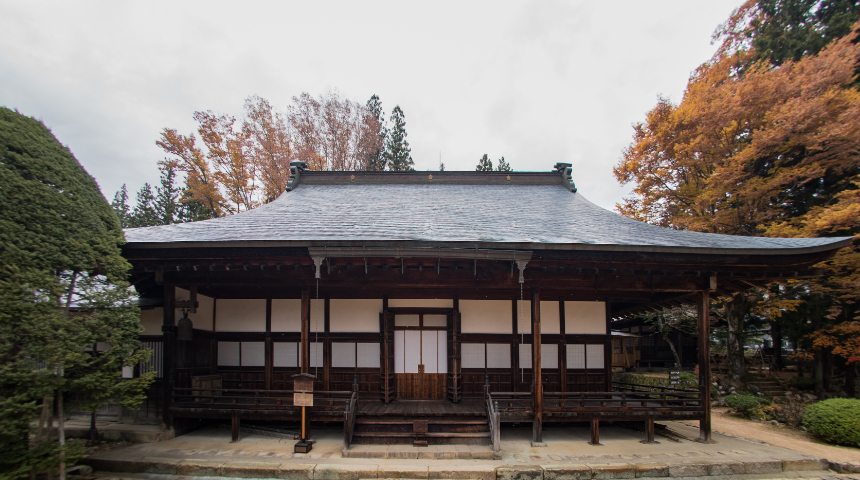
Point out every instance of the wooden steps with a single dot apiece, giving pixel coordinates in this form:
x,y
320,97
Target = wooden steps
x,y
420,424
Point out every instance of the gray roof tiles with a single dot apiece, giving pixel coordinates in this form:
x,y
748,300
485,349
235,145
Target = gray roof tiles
x,y
446,213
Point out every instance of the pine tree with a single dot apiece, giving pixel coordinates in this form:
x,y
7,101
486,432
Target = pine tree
x,y
61,244
484,164
397,151
121,207
375,121
503,166
165,204
144,213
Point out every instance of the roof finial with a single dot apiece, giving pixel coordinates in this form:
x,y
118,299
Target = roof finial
x,y
566,171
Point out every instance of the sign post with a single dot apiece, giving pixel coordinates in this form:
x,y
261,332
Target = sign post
x,y
675,376
303,396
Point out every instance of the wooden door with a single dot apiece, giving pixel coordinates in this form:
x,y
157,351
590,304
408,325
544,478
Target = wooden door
x,y
420,360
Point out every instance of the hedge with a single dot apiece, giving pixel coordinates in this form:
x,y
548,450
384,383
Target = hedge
x,y
836,420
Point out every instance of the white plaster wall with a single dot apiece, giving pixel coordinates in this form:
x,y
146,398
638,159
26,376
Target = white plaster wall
x,y
151,320
485,316
241,315
286,315
585,317
202,320
524,313
421,302
549,317
354,315
317,316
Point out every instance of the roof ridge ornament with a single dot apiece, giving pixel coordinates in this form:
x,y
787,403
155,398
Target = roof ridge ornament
x,y
566,171
296,169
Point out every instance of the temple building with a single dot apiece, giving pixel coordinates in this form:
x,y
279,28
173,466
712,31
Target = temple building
x,y
430,307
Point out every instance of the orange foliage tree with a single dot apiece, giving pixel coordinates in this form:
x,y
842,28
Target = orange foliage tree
x,y
758,149
246,163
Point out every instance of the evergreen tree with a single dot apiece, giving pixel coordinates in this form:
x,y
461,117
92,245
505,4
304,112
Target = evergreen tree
x,y
376,160
503,166
61,244
121,207
144,213
397,151
787,30
484,164
165,204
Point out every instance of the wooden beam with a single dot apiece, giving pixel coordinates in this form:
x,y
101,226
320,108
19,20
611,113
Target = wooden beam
x,y
537,425
703,306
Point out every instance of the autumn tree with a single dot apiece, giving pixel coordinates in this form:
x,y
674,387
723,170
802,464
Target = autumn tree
x,y
200,181
397,152
243,163
375,134
270,144
757,148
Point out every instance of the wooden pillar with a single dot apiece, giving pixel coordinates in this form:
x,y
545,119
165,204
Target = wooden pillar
x,y
562,347
306,325
607,349
649,431
168,330
515,347
703,306
595,432
458,357
234,426
326,345
269,354
213,349
386,331
537,425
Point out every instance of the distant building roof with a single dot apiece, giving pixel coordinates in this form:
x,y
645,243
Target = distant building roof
x,y
516,210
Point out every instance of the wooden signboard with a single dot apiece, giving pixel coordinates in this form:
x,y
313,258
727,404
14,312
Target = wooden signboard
x,y
303,383
303,399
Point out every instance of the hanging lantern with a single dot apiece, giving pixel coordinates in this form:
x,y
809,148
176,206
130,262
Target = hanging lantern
x,y
185,330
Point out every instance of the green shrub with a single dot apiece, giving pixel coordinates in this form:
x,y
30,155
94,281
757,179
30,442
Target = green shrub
x,y
804,383
747,405
836,420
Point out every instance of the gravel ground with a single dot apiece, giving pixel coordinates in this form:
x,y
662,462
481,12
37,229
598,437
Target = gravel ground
x,y
734,425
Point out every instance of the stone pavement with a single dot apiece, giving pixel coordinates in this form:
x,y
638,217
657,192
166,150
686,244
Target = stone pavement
x,y
568,456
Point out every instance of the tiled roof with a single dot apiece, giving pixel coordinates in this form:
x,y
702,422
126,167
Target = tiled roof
x,y
514,215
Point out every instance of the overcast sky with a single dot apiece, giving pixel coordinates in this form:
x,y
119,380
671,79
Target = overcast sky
x,y
538,82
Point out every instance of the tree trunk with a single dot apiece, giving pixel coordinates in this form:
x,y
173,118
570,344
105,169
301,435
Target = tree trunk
x,y
850,380
818,374
776,334
672,347
734,348
827,371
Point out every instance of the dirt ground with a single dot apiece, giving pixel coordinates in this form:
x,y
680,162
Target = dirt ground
x,y
731,424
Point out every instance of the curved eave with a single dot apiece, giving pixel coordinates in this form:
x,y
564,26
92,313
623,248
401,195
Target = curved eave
x,y
835,244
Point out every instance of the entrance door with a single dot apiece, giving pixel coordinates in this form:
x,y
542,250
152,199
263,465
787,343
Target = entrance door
x,y
420,355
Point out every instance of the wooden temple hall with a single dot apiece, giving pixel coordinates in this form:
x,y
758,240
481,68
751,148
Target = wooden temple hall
x,y
429,307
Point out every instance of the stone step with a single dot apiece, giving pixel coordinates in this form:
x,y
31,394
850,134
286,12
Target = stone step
x,y
433,452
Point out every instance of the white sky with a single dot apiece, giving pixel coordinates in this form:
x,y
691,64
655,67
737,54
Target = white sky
x,y
538,82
